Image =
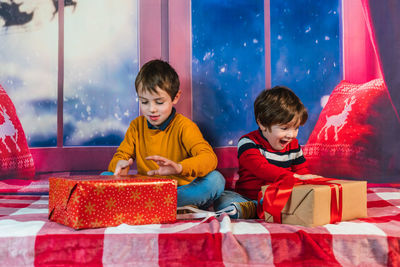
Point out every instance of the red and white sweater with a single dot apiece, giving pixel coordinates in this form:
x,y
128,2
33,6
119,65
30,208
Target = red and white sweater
x,y
260,164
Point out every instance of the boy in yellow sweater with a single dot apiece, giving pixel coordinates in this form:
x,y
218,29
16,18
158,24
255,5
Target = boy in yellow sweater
x,y
166,143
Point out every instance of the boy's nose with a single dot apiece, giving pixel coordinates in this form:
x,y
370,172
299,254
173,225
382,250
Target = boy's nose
x,y
152,108
291,134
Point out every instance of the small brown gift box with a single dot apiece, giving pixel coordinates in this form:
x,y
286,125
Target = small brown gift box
x,y
310,204
102,201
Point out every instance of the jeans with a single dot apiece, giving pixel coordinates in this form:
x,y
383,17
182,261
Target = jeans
x,y
202,191
228,197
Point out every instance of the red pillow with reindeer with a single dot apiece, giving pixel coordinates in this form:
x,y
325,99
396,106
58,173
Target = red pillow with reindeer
x,y
15,158
354,136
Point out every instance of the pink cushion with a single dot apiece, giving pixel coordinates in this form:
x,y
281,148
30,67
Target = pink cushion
x,y
15,158
354,136
228,165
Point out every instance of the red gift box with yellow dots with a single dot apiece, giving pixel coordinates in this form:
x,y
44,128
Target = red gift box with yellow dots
x,y
103,201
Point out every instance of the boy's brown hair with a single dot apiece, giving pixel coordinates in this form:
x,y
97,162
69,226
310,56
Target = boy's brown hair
x,y
279,105
158,73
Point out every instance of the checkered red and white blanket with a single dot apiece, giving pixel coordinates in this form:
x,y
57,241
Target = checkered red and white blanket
x,y
27,238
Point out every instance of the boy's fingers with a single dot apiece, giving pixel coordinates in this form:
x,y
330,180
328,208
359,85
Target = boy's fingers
x,y
164,163
122,165
161,162
152,172
157,158
117,171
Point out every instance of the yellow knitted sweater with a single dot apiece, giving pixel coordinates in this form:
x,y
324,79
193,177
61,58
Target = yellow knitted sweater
x,y
181,141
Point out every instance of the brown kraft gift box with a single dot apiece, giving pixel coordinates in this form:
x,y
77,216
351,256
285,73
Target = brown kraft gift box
x,y
310,205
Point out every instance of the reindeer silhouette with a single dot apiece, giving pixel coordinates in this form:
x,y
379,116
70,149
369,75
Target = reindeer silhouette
x,y
8,129
12,15
66,3
339,120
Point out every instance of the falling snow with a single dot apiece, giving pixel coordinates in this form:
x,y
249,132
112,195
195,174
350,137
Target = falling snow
x,y
307,61
221,81
92,79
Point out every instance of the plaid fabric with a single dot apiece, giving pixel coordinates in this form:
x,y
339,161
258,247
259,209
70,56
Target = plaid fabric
x,y
19,186
27,238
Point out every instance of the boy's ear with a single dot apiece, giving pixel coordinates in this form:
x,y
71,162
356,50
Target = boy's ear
x,y
177,96
262,127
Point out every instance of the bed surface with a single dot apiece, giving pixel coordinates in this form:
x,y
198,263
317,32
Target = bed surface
x,y
28,238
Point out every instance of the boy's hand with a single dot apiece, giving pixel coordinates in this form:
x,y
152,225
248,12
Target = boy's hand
x,y
306,176
122,167
167,167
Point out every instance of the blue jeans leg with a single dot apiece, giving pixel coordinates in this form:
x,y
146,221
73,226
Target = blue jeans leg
x,y
202,191
227,198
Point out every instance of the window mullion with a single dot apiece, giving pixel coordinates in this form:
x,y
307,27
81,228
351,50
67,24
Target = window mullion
x,y
60,83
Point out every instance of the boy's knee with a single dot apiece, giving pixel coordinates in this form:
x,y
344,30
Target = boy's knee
x,y
218,181
214,182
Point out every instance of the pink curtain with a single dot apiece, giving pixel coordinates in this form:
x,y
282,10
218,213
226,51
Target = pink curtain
x,y
371,49
360,60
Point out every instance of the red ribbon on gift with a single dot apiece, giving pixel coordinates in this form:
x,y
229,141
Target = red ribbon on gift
x,y
277,195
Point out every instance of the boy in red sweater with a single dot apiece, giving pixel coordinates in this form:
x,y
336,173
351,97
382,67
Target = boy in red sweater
x,y
268,154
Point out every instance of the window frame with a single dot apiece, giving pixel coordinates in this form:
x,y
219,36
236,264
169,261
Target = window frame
x,y
166,36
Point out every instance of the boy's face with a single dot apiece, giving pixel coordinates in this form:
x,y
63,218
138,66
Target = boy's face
x,y
280,135
156,107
